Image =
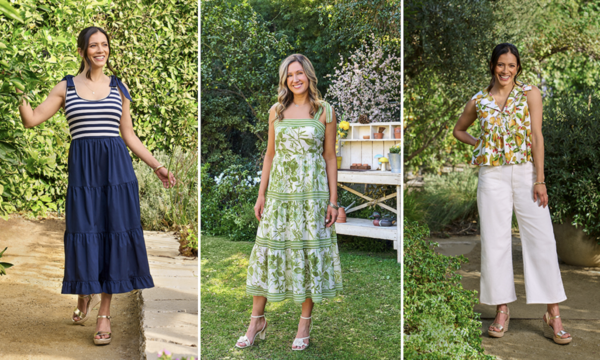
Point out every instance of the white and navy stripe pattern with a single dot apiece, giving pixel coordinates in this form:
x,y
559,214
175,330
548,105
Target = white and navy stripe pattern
x,y
94,117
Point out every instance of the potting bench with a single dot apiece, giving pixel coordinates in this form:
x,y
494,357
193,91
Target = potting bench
x,y
355,149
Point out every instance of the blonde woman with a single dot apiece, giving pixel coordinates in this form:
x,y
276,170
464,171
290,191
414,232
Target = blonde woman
x,y
510,153
296,255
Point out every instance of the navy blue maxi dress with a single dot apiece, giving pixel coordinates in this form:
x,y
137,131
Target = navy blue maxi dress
x,y
104,242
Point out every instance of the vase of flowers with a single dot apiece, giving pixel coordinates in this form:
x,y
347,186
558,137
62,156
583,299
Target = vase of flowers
x,y
342,133
395,158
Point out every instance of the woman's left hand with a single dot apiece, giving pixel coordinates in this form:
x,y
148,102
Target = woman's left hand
x,y
539,193
331,216
166,177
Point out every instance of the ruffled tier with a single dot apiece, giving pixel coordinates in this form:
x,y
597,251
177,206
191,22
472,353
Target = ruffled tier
x,y
111,208
294,274
295,217
106,262
99,161
295,255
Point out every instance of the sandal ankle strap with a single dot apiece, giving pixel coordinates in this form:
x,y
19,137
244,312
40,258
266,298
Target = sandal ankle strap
x,y
257,316
305,318
104,316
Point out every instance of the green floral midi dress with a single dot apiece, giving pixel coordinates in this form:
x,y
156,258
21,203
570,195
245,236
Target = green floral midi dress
x,y
295,254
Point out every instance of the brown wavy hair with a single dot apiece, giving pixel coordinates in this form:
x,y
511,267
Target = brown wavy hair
x,y
285,97
83,41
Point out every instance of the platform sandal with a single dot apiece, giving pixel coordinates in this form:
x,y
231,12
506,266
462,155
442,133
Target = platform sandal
x,y
244,339
299,342
102,341
503,329
93,301
549,331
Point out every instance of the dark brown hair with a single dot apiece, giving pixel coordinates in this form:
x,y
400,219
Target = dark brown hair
x,y
83,41
502,49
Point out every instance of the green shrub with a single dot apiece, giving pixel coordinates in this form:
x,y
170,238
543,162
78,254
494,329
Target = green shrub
x,y
4,265
413,209
228,202
175,208
438,313
449,198
572,162
154,51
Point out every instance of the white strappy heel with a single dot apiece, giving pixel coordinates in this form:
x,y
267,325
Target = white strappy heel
x,y
244,339
299,342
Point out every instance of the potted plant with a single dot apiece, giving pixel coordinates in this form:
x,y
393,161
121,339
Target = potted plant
x,y
572,165
395,158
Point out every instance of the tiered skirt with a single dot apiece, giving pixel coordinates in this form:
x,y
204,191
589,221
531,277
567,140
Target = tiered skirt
x,y
104,242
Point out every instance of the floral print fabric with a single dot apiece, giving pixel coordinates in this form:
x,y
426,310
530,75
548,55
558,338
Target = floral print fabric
x,y
295,256
505,134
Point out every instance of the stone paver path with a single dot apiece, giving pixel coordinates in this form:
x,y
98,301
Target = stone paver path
x,y
35,319
170,309
525,340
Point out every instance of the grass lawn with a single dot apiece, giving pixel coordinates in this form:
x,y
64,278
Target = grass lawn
x,y
362,323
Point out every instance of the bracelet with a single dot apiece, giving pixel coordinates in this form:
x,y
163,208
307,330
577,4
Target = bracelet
x,y
539,183
333,206
158,167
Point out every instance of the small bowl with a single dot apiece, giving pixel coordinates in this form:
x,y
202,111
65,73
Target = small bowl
x,y
366,136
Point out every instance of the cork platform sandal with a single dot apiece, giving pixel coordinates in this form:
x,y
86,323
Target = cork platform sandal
x,y
103,341
93,301
503,329
549,331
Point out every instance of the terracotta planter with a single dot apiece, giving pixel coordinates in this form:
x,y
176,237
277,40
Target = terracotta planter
x,y
377,135
341,215
574,247
339,161
397,133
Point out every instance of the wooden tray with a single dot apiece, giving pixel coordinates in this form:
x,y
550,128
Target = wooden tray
x,y
360,167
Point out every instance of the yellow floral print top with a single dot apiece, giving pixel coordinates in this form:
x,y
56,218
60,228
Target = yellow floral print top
x,y
505,134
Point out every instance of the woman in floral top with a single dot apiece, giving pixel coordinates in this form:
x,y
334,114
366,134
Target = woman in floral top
x,y
510,143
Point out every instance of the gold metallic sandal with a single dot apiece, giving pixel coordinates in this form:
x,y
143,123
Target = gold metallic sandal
x,y
102,341
93,301
503,329
549,331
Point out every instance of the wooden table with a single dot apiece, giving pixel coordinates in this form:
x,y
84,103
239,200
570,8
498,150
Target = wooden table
x,y
365,227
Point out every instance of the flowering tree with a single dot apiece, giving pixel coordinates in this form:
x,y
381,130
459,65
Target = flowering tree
x,y
367,83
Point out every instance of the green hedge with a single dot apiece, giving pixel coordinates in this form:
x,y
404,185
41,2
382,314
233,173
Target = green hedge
x,y
228,202
572,162
439,322
154,51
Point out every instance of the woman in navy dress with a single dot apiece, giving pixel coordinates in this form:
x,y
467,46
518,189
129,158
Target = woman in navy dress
x,y
105,251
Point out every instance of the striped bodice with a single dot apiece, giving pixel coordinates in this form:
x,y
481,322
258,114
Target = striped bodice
x,y
94,117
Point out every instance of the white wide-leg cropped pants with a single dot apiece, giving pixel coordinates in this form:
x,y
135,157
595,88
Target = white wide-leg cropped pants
x,y
500,189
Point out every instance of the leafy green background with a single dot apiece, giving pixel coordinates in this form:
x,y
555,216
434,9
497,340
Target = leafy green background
x,y
243,43
448,45
154,51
